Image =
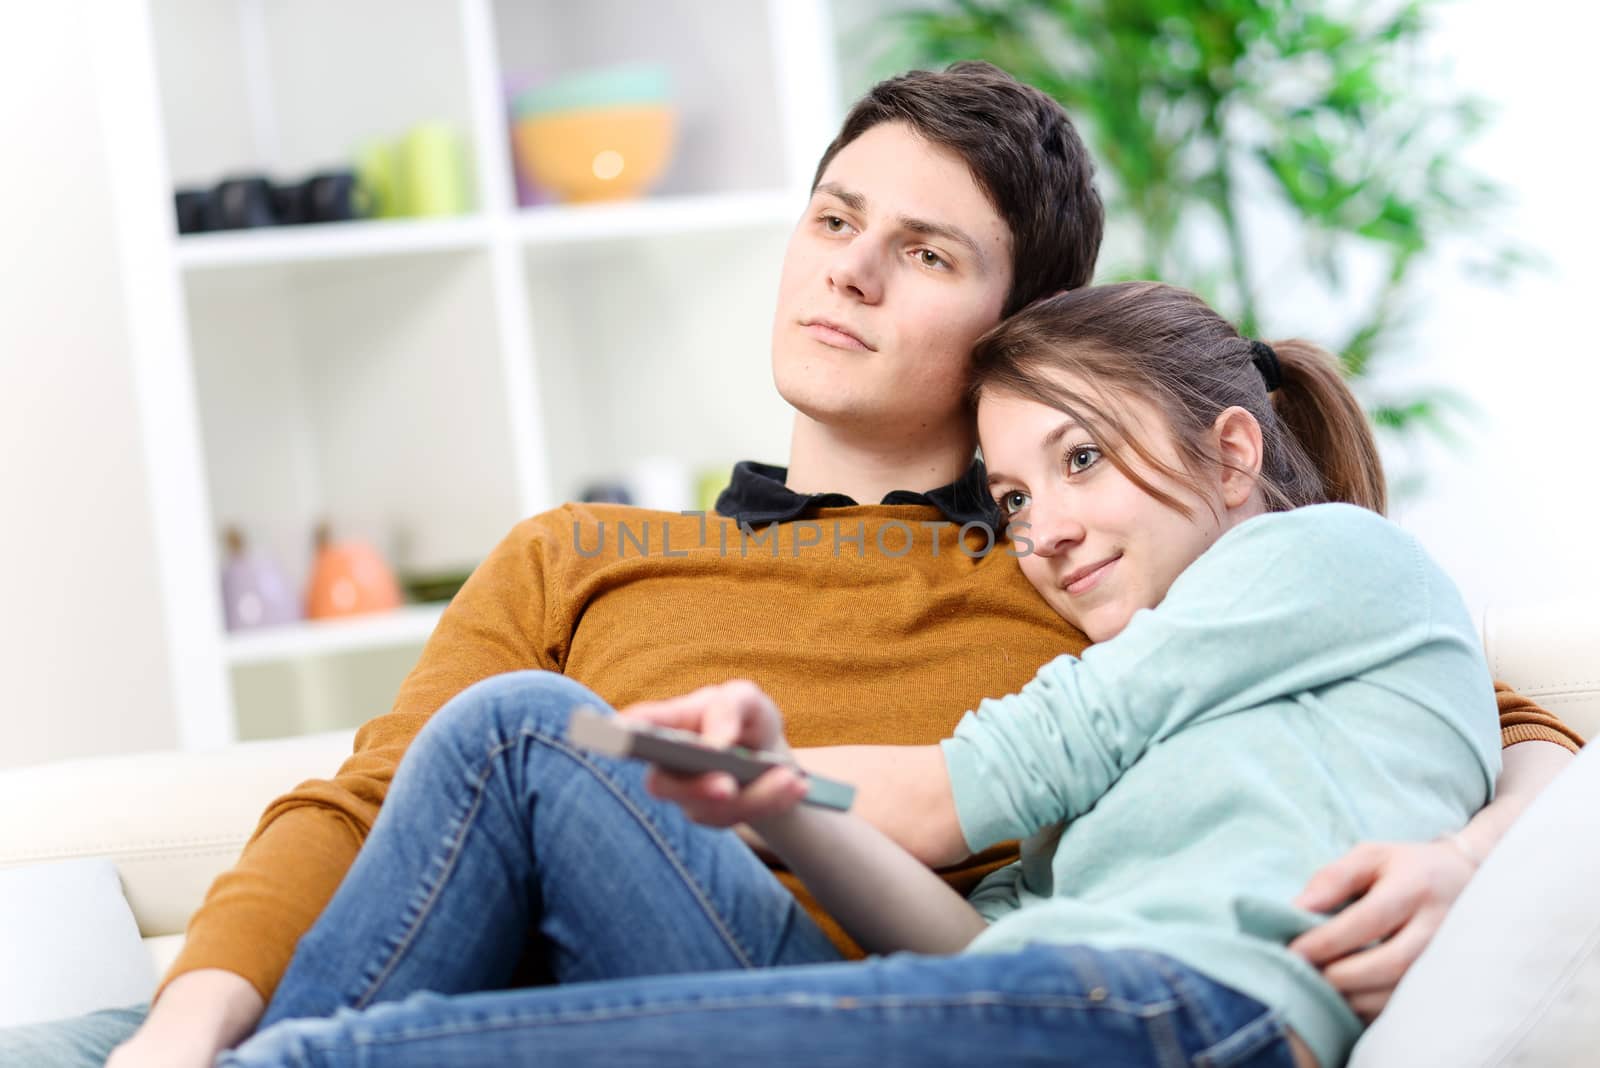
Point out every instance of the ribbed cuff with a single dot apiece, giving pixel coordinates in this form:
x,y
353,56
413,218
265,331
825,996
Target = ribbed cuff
x,y
1535,732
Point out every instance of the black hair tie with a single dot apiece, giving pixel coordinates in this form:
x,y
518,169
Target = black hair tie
x,y
1266,362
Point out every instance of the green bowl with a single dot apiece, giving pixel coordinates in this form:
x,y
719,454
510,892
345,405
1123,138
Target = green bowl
x,y
597,88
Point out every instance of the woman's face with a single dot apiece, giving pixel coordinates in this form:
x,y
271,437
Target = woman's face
x,y
1101,547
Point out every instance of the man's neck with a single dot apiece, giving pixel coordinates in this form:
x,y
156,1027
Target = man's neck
x,y
823,459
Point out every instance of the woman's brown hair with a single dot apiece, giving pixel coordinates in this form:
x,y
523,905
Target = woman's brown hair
x,y
1167,346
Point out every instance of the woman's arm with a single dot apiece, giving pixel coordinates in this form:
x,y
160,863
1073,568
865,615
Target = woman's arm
x,y
903,791
883,896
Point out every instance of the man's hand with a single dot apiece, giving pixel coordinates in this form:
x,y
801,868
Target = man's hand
x,y
200,1014
734,713
1402,892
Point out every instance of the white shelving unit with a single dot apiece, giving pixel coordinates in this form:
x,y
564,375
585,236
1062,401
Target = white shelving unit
x,y
425,383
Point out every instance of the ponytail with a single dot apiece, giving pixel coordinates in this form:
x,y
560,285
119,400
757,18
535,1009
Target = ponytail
x,y
1325,421
1156,341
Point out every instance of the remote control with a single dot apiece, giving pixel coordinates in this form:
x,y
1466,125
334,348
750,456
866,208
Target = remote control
x,y
684,753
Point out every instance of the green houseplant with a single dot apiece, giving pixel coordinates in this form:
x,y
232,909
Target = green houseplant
x,y
1243,144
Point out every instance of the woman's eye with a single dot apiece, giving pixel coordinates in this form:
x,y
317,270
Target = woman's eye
x,y
1013,502
1081,458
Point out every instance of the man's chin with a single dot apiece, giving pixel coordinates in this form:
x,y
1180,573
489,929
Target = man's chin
x,y
822,402
834,416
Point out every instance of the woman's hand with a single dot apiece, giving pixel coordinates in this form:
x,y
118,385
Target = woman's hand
x,y
1402,891
733,713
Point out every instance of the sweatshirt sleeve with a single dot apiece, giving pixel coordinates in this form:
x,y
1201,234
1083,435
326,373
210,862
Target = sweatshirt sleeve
x,y
253,915
1282,604
1521,720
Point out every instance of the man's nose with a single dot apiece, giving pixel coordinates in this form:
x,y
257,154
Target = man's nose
x,y
856,271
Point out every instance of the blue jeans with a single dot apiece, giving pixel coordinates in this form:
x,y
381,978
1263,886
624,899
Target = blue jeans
x,y
1044,1005
76,1042
500,846
504,855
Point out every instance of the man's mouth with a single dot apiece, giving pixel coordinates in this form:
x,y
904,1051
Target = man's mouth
x,y
835,334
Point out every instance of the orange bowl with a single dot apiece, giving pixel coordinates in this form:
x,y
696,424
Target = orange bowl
x,y
604,153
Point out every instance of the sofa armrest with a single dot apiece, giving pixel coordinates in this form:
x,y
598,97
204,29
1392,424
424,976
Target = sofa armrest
x,y
172,822
1549,653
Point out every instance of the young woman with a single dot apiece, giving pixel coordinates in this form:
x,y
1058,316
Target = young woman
x,y
1278,674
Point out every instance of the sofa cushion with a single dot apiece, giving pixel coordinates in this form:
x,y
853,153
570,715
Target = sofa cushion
x,y
71,944
178,821
1513,975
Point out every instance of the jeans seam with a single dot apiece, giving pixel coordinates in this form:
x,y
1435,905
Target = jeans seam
x,y
1245,1042
1166,1040
837,1003
745,956
1193,1002
453,854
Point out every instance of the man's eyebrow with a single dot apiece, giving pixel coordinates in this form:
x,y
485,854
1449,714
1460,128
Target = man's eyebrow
x,y
852,200
1049,442
856,202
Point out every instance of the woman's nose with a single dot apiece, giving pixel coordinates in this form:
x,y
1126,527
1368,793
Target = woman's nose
x,y
1054,530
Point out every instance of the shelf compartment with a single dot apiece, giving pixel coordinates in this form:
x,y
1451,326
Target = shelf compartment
x,y
366,394
310,693
409,625
287,87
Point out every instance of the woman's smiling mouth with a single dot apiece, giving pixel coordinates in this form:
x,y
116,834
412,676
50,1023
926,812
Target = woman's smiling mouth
x,y
1087,578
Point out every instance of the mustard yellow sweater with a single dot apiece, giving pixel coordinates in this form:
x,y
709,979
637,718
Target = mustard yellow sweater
x,y
868,624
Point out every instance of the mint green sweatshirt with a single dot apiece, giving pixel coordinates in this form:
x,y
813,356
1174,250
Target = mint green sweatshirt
x,y
1311,682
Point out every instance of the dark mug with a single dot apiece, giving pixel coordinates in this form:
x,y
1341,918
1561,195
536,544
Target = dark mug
x,y
194,211
289,205
334,196
243,203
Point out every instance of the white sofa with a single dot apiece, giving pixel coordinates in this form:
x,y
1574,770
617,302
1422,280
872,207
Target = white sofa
x,y
173,821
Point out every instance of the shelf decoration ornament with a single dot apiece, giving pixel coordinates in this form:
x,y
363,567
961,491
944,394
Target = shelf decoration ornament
x,y
603,134
255,592
349,578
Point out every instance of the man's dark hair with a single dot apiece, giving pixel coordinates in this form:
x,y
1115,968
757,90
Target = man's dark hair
x,y
1023,152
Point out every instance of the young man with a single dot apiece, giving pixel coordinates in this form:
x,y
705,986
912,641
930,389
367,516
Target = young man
x,y
948,201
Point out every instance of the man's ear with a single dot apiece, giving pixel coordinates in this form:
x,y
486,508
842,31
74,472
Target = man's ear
x,y
1238,442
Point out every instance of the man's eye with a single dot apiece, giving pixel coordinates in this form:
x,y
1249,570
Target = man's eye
x,y
1081,458
1013,502
929,258
833,224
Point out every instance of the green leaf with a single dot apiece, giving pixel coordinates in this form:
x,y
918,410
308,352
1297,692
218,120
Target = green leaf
x,y
1206,117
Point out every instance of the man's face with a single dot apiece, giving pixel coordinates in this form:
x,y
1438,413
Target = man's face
x,y
897,267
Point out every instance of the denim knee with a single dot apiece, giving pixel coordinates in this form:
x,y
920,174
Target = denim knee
x,y
501,707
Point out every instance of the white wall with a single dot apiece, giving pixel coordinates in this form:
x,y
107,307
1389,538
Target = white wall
x,y
1512,513
82,653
